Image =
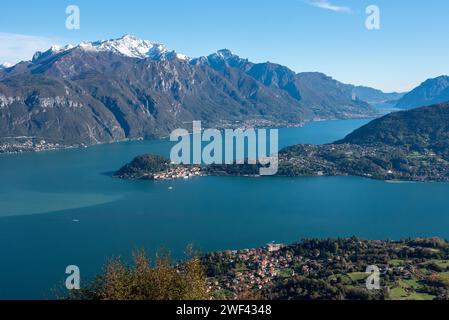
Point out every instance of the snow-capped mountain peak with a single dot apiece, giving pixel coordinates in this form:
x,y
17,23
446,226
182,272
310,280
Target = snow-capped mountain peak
x,y
226,58
55,49
225,54
5,65
128,45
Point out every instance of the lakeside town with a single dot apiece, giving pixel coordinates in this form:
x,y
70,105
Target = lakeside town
x,y
27,144
178,172
158,168
332,269
376,162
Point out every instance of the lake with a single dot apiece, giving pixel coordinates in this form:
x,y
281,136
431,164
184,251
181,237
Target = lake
x,y
61,208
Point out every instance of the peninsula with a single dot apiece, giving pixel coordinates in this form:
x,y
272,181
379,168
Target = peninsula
x,y
409,145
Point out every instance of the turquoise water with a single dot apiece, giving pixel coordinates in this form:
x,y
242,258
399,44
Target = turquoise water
x,y
62,208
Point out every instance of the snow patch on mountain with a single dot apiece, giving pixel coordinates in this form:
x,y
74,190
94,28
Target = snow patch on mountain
x,y
127,45
6,65
55,49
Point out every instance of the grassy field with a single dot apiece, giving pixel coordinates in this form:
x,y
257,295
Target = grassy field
x,y
358,276
409,289
396,263
405,289
286,273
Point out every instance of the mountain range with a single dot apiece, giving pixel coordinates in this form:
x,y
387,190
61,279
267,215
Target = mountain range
x,y
128,88
432,91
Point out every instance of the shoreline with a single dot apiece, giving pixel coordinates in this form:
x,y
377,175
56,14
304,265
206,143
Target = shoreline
x,y
155,167
166,137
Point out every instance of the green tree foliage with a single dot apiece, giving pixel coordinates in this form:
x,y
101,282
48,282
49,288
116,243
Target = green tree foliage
x,y
144,164
143,280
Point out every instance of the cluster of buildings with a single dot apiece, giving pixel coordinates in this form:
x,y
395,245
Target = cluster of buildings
x,y
179,172
27,145
259,123
256,268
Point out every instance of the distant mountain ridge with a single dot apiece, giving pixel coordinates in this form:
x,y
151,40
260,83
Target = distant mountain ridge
x,y
375,96
432,91
128,88
316,91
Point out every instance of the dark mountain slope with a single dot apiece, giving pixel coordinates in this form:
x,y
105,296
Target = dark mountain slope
x,y
321,92
430,92
419,129
319,95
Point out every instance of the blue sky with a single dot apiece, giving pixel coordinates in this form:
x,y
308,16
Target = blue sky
x,y
306,35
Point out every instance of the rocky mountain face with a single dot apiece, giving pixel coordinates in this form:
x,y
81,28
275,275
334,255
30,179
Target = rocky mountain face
x,y
431,91
321,96
130,88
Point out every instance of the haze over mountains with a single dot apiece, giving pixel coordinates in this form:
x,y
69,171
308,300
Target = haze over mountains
x,y
129,88
432,91
375,96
